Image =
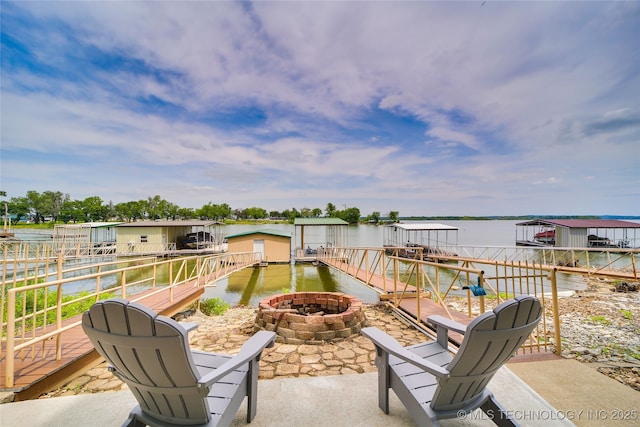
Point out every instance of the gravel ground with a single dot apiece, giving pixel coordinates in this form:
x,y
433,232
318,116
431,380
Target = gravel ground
x,y
601,327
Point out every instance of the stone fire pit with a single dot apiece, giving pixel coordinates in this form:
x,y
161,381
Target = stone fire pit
x,y
311,317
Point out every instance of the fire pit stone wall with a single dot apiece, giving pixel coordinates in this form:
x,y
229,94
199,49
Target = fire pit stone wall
x,y
311,317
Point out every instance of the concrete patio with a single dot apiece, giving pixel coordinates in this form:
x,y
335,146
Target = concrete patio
x,y
340,400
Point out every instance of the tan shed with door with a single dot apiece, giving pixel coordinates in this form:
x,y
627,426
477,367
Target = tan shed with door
x,y
274,245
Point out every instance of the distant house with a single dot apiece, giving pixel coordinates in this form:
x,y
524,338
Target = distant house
x,y
274,245
163,236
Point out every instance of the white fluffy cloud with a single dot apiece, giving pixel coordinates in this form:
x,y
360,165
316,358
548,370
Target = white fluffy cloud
x,y
413,106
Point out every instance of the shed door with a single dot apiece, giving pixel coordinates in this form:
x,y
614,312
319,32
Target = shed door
x,y
258,246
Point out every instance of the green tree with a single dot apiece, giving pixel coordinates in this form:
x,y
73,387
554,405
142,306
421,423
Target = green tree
x,y
19,206
316,212
215,212
291,214
374,217
393,216
330,210
94,209
224,211
34,201
130,211
256,213
111,211
47,204
171,210
72,211
351,215
153,207
186,213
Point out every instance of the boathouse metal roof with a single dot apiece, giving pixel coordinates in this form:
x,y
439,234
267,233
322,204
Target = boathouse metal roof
x,y
278,233
101,224
583,223
422,226
185,223
319,221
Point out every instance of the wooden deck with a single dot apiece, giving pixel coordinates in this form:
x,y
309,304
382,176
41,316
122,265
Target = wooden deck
x,y
36,369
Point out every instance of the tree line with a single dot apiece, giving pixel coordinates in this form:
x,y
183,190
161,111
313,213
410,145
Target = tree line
x,y
55,206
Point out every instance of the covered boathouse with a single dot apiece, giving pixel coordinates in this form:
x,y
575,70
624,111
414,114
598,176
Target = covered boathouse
x,y
162,237
431,240
578,233
309,236
427,235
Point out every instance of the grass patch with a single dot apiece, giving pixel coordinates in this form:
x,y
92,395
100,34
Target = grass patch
x,y
213,306
600,320
626,314
36,301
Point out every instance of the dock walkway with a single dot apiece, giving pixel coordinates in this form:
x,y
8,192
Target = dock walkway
x,y
422,307
36,368
408,304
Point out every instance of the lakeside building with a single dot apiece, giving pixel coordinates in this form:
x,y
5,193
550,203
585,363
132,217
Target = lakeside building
x,y
273,245
578,233
335,236
165,236
88,232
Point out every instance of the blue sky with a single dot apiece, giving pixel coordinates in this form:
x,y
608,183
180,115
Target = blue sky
x,y
426,108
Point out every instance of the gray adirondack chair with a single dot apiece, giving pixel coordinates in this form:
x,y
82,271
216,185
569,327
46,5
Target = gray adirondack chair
x,y
173,384
432,384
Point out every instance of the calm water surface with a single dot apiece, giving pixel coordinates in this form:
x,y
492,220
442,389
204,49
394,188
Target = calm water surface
x,y
249,286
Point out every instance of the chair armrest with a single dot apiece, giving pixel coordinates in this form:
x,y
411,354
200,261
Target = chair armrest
x,y
248,352
443,326
387,343
443,322
189,326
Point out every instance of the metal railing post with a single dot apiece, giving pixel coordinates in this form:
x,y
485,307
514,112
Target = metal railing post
x,y
11,335
58,307
556,313
481,283
98,283
123,283
58,321
396,275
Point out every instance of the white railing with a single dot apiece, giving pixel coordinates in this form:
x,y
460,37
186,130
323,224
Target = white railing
x,y
37,305
476,274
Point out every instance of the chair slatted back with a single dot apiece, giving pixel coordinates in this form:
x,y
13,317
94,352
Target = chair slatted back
x,y
489,341
151,354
